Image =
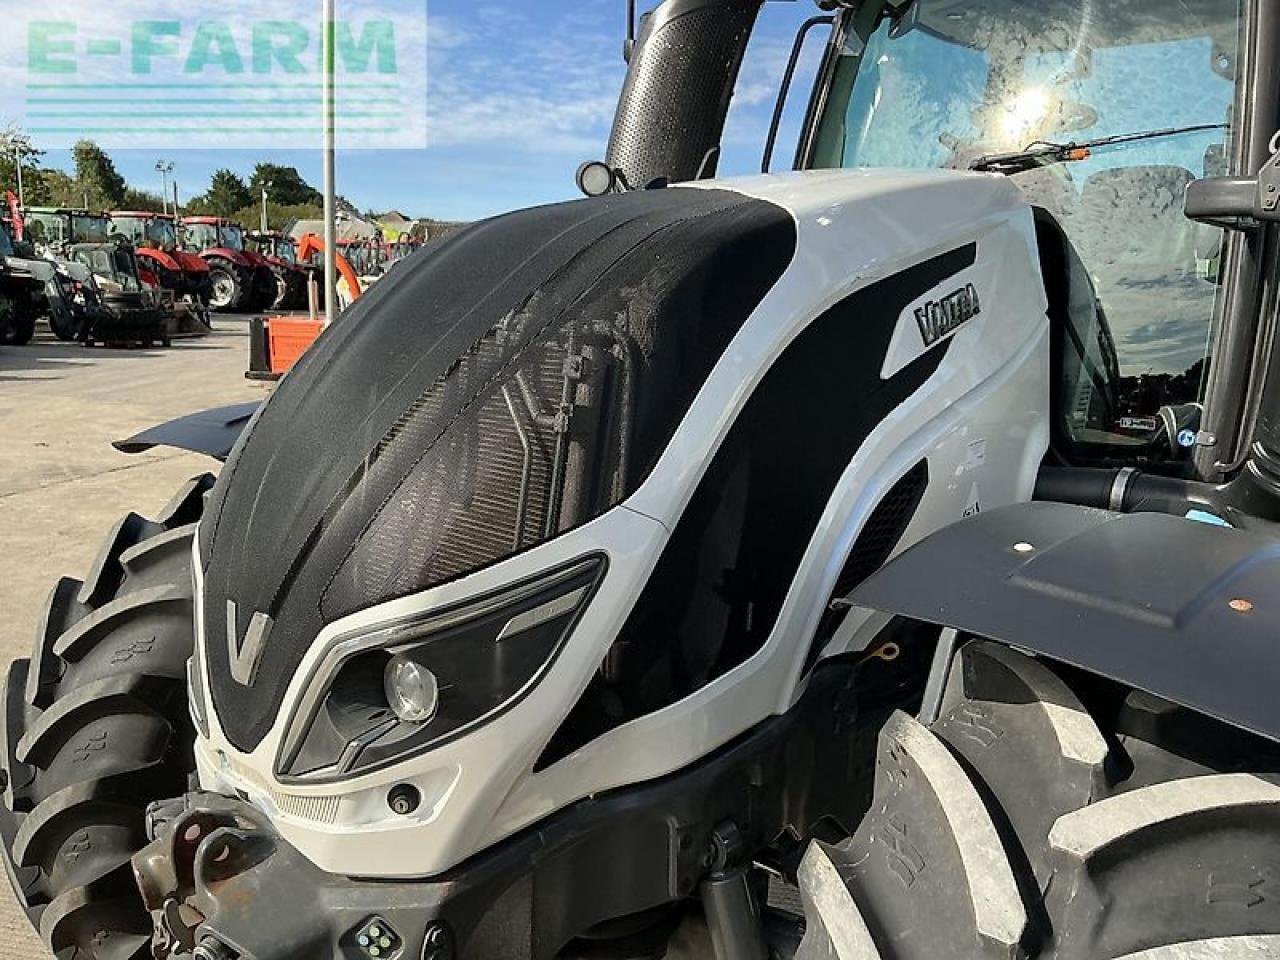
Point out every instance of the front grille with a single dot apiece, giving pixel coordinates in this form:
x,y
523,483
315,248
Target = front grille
x,y
467,495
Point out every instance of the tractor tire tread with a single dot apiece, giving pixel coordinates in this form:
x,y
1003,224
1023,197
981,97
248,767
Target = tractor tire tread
x,y
95,727
1018,798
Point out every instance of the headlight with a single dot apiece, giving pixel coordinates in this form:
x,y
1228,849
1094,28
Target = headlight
x,y
379,696
413,692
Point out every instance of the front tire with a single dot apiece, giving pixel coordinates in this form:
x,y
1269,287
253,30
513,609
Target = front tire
x,y
1024,824
97,728
22,325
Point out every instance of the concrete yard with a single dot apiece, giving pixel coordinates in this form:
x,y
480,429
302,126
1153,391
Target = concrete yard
x,y
62,485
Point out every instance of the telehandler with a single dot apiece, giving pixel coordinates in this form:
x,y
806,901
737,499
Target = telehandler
x,y
99,280
873,560
184,277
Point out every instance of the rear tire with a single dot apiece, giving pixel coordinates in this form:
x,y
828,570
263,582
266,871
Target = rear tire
x,y
62,326
1019,825
96,727
226,292
21,327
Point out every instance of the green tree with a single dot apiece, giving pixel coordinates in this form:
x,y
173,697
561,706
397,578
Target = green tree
x,y
97,175
142,200
227,193
57,189
14,146
287,186
279,217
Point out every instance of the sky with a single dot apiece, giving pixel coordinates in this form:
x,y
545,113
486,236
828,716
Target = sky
x,y
518,95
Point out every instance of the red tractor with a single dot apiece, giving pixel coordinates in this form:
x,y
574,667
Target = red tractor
x,y
243,280
186,277
292,276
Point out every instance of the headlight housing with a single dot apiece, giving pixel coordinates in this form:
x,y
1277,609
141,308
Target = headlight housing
x,y
400,689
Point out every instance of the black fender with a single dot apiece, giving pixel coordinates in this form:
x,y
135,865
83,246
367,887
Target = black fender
x,y
1184,610
211,432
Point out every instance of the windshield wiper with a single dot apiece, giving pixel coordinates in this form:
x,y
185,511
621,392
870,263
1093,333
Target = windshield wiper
x,y
1043,152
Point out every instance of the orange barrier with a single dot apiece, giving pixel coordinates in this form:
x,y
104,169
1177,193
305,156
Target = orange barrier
x,y
288,339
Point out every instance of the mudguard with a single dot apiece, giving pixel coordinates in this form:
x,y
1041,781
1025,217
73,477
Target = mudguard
x,y
226,253
190,262
159,256
1184,610
211,432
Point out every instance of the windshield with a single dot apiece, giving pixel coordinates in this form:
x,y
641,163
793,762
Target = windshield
x,y
231,236
146,231
200,236
86,228
945,83
116,266
287,251
6,241
45,229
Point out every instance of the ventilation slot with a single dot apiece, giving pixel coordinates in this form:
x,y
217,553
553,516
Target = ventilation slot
x,y
875,544
322,809
317,809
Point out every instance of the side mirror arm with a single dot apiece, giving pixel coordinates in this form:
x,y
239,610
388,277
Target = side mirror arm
x,y
1236,203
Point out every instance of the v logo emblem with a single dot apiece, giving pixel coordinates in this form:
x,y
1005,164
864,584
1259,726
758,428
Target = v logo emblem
x,y
244,657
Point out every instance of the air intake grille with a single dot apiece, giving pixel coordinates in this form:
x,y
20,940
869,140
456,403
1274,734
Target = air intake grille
x,y
880,535
479,487
321,809
883,530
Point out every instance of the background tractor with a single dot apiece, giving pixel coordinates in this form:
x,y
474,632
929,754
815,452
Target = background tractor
x,y
114,304
183,275
21,292
873,560
242,280
292,277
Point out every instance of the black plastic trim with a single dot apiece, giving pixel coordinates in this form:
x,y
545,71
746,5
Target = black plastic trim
x,y
1184,610
211,432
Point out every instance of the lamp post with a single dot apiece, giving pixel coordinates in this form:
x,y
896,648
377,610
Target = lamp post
x,y
328,92
265,187
164,168
17,162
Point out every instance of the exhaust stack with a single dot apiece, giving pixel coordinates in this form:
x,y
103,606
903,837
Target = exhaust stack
x,y
672,111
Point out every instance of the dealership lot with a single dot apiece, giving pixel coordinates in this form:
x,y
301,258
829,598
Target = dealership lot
x,y
62,485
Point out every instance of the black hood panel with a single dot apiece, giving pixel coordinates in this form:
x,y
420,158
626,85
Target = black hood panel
x,y
342,493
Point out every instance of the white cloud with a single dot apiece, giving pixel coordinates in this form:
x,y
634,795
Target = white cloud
x,y
510,81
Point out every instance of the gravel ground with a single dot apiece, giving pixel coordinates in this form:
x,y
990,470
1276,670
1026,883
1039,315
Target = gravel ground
x,y
62,485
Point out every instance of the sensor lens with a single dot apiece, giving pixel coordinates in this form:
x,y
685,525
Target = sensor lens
x,y
412,690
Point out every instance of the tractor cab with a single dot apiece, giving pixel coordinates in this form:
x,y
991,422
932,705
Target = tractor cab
x,y
53,229
273,246
146,230
209,233
1102,114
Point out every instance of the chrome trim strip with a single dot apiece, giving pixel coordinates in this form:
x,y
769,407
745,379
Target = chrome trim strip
x,y
345,646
